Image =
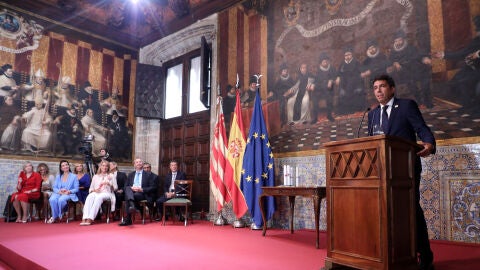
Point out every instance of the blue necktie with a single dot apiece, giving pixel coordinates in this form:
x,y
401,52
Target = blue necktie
x,y
136,181
385,119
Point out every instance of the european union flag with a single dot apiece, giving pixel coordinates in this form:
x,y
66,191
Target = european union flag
x,y
258,166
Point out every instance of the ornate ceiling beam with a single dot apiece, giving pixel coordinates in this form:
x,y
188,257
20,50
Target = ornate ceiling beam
x,y
181,8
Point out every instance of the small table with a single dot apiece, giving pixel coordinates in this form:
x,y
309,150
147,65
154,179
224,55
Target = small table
x,y
317,194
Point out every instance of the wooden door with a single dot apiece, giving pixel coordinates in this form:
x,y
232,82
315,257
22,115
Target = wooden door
x,y
187,140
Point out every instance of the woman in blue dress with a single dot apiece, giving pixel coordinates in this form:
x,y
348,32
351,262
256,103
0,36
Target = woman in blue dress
x,y
64,189
83,182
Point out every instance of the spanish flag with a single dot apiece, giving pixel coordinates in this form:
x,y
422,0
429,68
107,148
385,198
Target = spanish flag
x,y
236,149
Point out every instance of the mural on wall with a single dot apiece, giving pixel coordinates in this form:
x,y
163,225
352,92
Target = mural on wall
x,y
55,92
323,54
25,33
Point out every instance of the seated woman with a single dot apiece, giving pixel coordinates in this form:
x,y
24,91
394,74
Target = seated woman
x,y
47,183
102,188
83,182
28,187
64,189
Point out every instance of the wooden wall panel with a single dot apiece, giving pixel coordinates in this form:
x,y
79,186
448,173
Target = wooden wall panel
x,y
190,168
203,128
167,152
190,131
178,150
189,150
203,148
240,49
177,132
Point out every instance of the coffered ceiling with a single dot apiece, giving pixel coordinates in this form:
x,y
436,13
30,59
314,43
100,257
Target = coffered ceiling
x,y
125,25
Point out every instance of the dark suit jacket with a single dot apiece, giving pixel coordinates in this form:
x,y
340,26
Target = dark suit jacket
x,y
168,179
121,180
405,121
149,184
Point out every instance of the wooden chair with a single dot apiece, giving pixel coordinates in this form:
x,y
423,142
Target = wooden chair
x,y
39,204
183,198
32,202
72,207
145,210
107,209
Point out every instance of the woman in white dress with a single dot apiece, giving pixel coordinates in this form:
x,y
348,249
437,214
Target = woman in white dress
x,y
102,188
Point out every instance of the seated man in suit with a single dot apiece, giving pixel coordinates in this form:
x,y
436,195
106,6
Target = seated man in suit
x,y
147,167
168,185
140,185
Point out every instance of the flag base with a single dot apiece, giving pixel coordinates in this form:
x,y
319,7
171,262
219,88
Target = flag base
x,y
255,227
238,223
219,221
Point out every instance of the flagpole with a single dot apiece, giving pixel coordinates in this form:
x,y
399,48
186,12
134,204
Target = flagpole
x,y
219,129
253,226
238,223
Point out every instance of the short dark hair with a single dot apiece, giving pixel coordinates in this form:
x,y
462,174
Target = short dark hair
x,y
383,77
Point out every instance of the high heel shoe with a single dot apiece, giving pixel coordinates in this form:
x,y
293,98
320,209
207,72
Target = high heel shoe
x,y
51,220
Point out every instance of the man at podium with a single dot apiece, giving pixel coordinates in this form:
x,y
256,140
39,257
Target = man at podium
x,y
402,118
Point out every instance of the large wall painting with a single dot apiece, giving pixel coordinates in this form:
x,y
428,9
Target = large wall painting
x,y
55,91
323,54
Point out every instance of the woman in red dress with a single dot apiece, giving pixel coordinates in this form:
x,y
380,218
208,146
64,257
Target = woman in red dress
x,y
28,187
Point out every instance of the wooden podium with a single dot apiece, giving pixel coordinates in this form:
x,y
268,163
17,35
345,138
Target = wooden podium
x,y
371,203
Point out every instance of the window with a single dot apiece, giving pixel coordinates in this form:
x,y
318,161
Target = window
x,y
183,80
195,104
173,92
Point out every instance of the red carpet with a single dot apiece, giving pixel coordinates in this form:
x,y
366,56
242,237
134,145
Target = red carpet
x,y
198,246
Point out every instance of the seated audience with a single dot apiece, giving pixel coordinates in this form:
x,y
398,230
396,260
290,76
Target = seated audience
x,y
147,167
104,155
83,182
140,185
47,184
169,185
64,189
28,187
102,188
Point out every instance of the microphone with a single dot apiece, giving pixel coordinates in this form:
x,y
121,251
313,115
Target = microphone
x,y
370,128
361,122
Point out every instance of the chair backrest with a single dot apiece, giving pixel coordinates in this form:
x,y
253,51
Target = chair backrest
x,y
183,189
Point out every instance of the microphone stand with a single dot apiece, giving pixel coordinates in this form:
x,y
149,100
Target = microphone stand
x,y
361,122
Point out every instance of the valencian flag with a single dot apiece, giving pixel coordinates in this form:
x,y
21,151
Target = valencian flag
x,y
258,166
236,149
218,159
